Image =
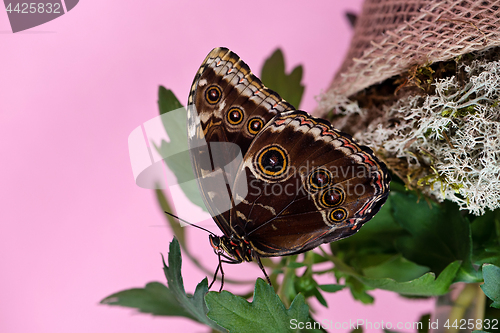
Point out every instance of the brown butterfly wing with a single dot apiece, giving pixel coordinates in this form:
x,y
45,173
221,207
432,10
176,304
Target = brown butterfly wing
x,y
227,104
225,74
308,184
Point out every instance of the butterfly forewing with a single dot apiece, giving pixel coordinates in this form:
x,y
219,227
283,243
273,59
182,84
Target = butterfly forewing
x,y
227,104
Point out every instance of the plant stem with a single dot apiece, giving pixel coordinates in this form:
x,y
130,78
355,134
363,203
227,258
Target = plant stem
x,y
287,282
471,292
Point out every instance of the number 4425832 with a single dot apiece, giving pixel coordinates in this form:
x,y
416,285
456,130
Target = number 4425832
x,y
477,324
35,7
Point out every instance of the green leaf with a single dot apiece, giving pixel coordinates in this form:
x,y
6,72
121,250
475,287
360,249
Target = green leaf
x,y
317,258
155,299
195,304
286,85
439,235
366,263
296,264
485,232
331,288
265,314
375,237
426,285
307,285
396,268
491,286
484,229
158,299
487,255
320,297
179,162
358,290
167,101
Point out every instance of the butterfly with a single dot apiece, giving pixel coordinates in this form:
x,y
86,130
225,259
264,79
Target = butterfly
x,y
276,180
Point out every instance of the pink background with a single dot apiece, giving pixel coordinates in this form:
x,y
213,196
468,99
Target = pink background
x,y
74,226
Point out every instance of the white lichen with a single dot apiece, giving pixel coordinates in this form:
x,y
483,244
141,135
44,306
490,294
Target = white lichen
x,y
453,134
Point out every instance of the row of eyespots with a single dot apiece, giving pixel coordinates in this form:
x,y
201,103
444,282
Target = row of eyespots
x,y
321,179
235,116
272,163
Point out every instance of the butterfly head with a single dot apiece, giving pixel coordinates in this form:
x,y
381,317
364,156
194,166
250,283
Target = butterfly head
x,y
235,250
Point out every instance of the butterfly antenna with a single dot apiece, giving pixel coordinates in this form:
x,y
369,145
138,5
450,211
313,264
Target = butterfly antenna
x,y
191,224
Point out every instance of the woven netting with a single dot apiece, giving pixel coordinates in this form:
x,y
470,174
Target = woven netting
x,y
392,35
421,86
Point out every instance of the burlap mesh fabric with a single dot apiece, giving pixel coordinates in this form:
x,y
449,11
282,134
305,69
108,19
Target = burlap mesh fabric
x,y
420,85
392,35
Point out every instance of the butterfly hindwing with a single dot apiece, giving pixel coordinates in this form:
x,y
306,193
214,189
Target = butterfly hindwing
x,y
308,184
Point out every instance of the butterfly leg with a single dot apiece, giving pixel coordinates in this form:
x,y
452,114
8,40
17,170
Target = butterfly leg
x,y
221,277
257,258
219,266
